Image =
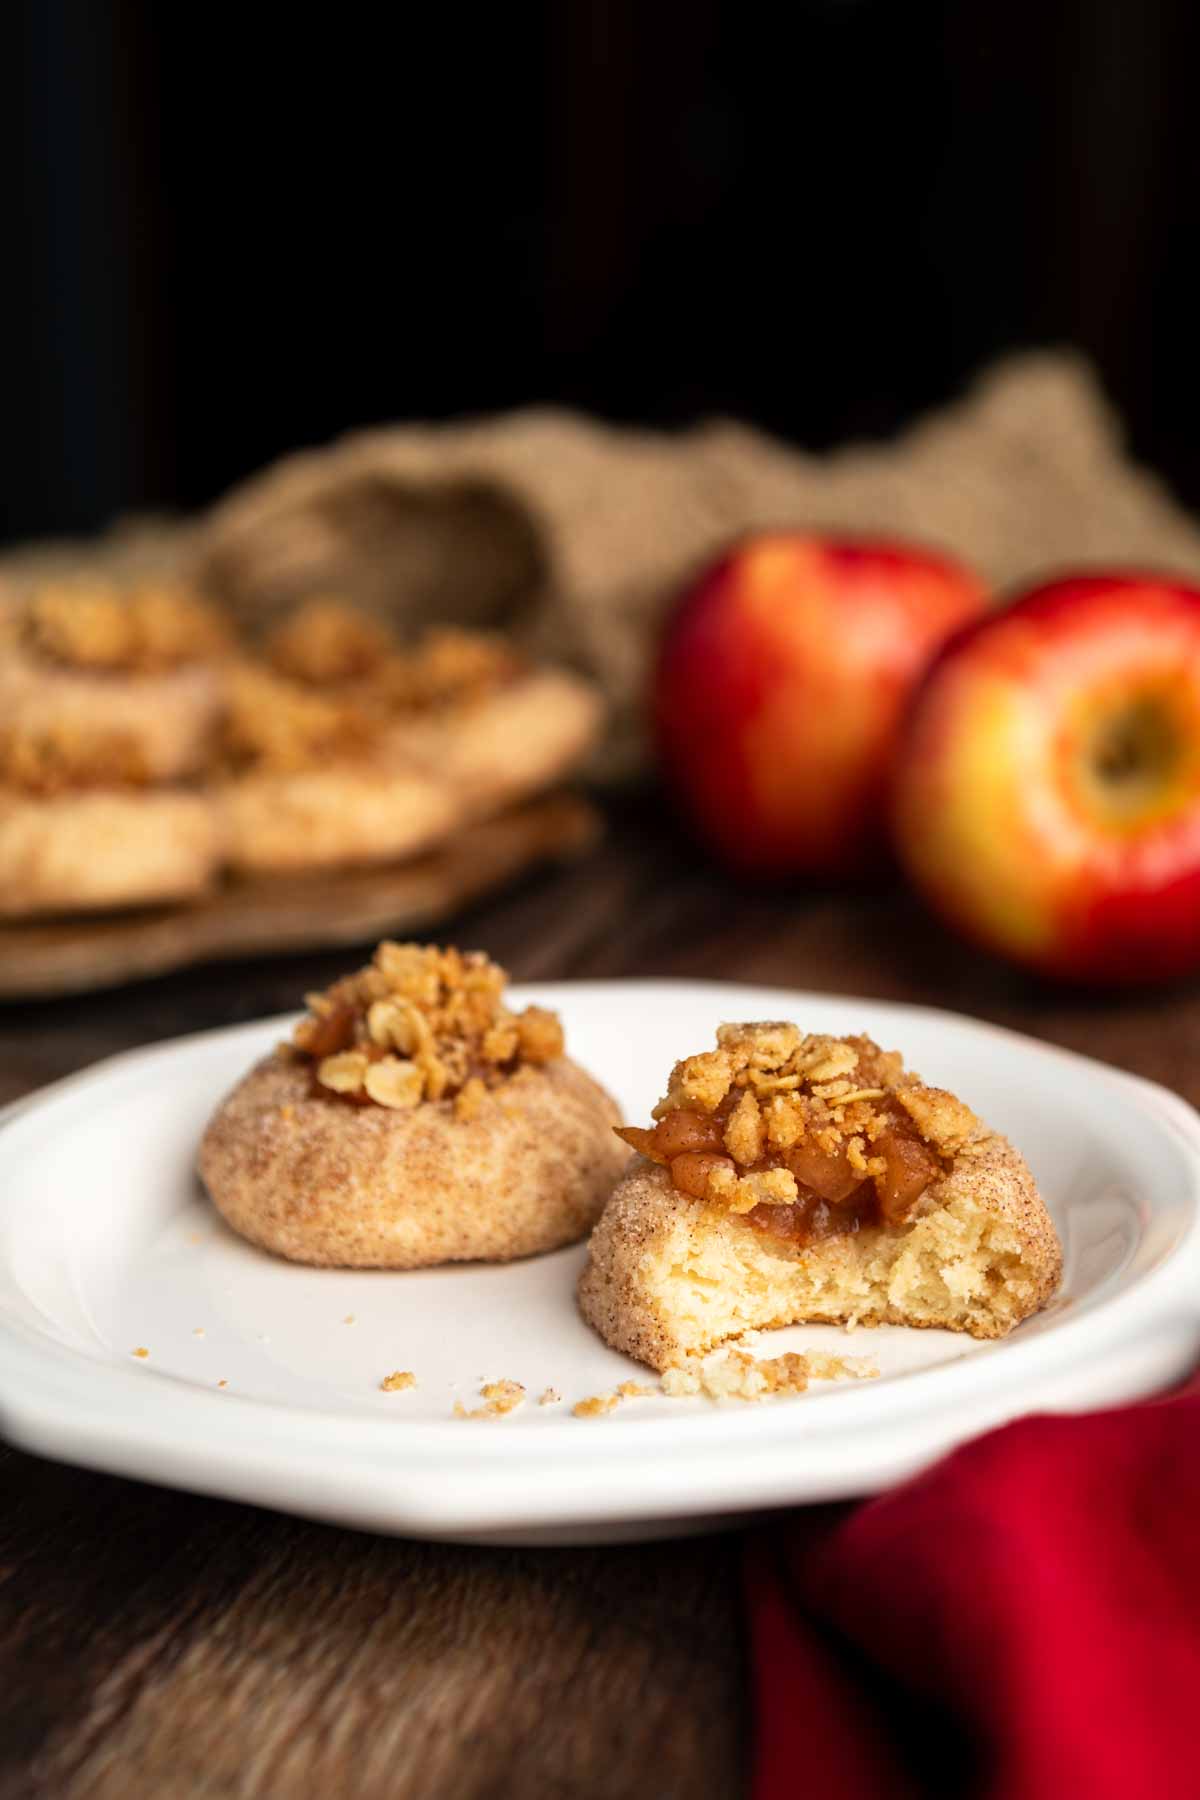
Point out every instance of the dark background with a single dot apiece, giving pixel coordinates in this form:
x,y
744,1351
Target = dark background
x,y
231,231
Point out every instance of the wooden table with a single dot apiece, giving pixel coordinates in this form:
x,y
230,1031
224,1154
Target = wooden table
x,y
153,1643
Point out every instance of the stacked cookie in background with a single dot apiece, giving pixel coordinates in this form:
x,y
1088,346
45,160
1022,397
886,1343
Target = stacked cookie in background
x,y
148,750
111,706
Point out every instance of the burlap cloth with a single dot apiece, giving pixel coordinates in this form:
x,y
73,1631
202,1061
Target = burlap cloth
x,y
574,535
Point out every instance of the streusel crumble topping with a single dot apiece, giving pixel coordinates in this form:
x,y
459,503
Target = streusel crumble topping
x,y
59,756
808,1135
326,641
421,1023
331,644
447,667
142,629
275,726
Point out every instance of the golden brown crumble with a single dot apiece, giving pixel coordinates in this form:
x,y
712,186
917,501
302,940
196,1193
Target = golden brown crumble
x,y
446,667
327,642
274,725
807,1134
736,1375
397,1381
634,1390
58,757
330,643
595,1406
141,629
222,1383
499,1398
422,1023
140,1351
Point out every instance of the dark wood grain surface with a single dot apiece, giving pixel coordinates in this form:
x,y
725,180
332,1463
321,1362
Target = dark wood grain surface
x,y
153,1643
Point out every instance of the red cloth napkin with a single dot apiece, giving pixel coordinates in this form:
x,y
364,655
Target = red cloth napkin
x,y
1022,1622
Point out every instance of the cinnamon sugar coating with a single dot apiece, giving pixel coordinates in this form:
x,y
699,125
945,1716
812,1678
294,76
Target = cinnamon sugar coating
x,y
308,1177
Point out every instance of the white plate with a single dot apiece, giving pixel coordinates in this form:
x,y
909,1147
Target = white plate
x,y
106,1244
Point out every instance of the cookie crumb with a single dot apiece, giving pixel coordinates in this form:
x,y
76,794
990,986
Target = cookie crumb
x,y
595,1406
503,1396
500,1397
349,1319
634,1390
397,1380
735,1375
548,1397
824,1367
140,1351
222,1382
197,1331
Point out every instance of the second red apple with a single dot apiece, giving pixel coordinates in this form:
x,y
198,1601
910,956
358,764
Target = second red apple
x,y
780,686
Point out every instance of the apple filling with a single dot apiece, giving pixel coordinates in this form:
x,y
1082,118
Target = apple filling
x,y
807,1137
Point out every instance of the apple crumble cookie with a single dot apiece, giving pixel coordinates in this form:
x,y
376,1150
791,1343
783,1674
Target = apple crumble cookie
x,y
308,779
793,1178
466,705
134,674
414,1118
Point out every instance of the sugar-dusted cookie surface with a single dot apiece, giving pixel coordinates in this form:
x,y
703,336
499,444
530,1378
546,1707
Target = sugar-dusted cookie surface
x,y
90,852
792,1178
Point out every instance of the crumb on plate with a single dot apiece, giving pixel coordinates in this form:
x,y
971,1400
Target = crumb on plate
x,y
499,1397
736,1375
595,1406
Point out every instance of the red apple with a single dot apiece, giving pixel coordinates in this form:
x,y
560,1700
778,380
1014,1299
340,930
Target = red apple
x,y
1048,787
781,682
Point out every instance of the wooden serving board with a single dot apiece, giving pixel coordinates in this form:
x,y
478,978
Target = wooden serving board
x,y
64,956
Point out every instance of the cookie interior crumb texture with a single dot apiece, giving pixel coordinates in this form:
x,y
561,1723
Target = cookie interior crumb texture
x,y
414,1118
790,1178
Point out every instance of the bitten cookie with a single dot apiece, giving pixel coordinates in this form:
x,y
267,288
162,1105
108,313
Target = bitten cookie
x,y
795,1179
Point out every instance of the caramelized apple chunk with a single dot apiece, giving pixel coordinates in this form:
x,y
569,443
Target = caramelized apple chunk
x,y
807,1136
908,1168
